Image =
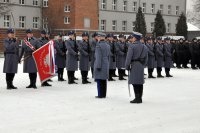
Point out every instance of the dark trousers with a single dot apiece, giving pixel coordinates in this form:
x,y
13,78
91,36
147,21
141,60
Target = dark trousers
x,y
159,70
92,71
167,71
121,73
9,79
194,60
70,75
150,71
33,78
60,73
84,75
111,73
138,89
101,88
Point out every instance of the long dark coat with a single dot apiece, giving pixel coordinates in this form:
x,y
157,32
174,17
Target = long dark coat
x,y
160,55
85,50
151,56
60,54
121,55
168,56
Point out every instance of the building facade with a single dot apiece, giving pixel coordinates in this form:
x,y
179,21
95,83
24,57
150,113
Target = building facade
x,y
120,15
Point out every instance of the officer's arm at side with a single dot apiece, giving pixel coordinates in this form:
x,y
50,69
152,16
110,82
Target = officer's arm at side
x,y
129,57
98,56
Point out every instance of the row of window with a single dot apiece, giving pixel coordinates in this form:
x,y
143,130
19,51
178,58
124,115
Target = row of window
x,y
22,22
124,26
35,2
135,6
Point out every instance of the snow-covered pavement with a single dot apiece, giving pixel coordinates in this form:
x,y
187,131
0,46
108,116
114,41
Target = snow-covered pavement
x,y
170,106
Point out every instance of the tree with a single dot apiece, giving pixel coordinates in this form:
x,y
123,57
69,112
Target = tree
x,y
193,15
160,28
181,27
140,24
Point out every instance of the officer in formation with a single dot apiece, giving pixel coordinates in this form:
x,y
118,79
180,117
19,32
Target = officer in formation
x,y
151,57
93,47
72,57
136,60
44,39
60,60
85,57
168,56
121,55
195,54
180,53
112,64
29,45
101,65
159,56
11,52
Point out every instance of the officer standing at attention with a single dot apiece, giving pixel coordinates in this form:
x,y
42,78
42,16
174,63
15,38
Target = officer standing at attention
x,y
11,49
29,45
159,56
168,57
151,57
85,58
93,47
121,56
101,65
112,64
136,60
60,60
72,57
44,40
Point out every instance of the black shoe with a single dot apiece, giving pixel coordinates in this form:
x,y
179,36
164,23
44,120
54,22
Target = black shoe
x,y
30,86
72,82
46,84
62,79
34,87
179,67
151,77
9,88
136,100
169,76
160,76
75,78
111,79
194,68
50,80
186,67
122,79
86,82
115,75
13,87
99,97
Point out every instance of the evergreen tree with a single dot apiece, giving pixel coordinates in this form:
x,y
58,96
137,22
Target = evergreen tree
x,y
181,27
140,24
159,25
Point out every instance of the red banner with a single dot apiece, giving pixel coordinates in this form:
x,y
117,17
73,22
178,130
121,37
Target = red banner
x,y
45,61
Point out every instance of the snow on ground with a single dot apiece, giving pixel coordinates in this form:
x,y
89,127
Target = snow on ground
x,y
170,106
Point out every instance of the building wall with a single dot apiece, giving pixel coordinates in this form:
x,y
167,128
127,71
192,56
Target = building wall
x,y
130,15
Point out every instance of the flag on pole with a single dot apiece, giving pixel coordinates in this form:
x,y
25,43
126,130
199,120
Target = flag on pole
x,y
45,61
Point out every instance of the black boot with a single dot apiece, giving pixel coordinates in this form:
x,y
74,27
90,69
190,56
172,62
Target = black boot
x,y
138,94
121,75
159,73
9,85
167,70
46,84
137,99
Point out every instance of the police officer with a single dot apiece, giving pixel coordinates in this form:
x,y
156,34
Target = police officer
x,y
93,43
180,53
151,57
194,49
29,45
44,40
85,57
121,56
72,57
101,65
112,63
11,49
136,59
168,56
159,56
60,60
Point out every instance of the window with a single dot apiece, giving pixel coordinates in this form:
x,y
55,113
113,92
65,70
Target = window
x,y
35,2
124,25
6,1
143,7
177,10
66,20
22,22
152,27
133,26
45,23
152,8
21,2
168,28
67,8
135,6
169,9
45,3
35,22
114,25
87,22
103,25
103,4
6,21
114,4
125,5
161,9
